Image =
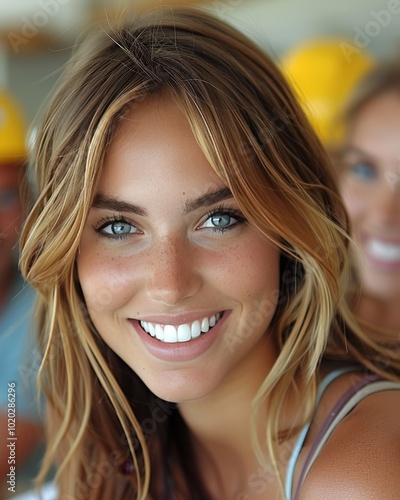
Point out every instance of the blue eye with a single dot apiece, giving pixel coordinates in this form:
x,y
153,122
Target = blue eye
x,y
363,170
222,219
219,220
118,228
115,228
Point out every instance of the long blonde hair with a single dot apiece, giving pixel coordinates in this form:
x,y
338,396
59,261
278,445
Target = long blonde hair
x,y
258,141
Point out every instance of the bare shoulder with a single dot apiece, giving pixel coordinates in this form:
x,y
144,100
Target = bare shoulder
x,y
361,459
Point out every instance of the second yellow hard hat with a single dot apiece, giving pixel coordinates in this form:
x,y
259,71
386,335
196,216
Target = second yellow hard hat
x,y
323,77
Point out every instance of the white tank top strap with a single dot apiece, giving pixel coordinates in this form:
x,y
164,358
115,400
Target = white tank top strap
x,y
330,377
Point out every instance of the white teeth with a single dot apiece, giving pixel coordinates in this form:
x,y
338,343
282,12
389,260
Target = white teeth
x,y
196,329
152,329
170,334
387,252
181,333
184,333
159,331
205,325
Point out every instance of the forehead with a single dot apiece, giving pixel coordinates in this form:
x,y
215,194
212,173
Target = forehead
x,y
154,148
375,129
381,110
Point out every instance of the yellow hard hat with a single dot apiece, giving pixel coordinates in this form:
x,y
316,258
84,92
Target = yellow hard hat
x,y
323,73
12,130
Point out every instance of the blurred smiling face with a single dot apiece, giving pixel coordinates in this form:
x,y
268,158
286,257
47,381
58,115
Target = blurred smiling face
x,y
370,185
176,281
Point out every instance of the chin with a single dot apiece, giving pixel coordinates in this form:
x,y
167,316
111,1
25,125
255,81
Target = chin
x,y
181,389
383,288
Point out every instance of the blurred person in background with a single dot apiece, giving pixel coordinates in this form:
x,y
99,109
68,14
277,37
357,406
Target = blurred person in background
x,y
19,363
369,168
354,105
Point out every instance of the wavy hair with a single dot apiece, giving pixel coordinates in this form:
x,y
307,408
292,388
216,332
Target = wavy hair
x,y
257,140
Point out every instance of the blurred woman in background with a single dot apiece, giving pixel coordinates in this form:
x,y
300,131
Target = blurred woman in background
x,y
354,106
369,170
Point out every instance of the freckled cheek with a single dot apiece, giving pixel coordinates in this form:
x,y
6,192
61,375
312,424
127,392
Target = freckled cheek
x,y
247,272
355,200
107,283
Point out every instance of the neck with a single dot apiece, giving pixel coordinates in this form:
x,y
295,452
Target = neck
x,y
221,427
221,433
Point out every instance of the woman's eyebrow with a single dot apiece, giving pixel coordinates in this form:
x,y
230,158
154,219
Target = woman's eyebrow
x,y
355,154
110,203
356,151
209,198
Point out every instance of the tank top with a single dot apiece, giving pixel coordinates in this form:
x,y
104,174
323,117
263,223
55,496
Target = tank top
x,y
368,384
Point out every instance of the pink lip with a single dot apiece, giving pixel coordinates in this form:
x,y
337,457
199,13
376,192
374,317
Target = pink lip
x,y
374,262
179,351
177,319
373,236
382,265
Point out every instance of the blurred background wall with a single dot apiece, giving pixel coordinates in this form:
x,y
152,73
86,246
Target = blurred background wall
x,y
36,36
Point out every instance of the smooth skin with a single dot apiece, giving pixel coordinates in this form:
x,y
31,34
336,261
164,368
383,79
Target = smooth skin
x,y
370,185
172,253
361,459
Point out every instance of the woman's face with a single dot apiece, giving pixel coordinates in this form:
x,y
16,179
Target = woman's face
x,y
175,280
370,184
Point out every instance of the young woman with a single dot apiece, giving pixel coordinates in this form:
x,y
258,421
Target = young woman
x,y
370,184
190,251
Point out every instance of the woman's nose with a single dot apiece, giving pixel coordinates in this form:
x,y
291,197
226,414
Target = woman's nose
x,y
173,276
386,204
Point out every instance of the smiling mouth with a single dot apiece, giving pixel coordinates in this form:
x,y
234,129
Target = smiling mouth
x,y
384,251
180,333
